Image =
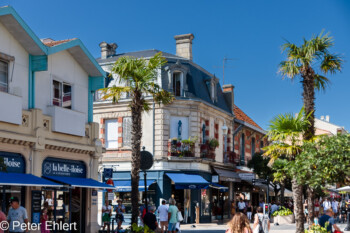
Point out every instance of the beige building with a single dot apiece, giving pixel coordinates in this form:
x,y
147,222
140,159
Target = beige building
x,y
49,146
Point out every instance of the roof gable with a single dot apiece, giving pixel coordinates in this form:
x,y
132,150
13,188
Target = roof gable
x,y
240,115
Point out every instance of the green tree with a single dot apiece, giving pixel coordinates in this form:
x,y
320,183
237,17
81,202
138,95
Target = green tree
x,y
311,61
285,134
281,174
136,78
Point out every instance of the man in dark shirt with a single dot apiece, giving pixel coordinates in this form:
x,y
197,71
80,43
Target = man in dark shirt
x,y
150,219
328,217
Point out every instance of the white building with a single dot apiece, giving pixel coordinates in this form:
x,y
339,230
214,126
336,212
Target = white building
x,y
324,126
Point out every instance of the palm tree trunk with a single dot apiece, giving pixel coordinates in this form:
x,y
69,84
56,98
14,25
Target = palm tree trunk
x,y
298,206
310,204
282,194
136,134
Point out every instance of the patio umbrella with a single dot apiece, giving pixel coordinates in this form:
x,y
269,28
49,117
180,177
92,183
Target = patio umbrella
x,y
346,189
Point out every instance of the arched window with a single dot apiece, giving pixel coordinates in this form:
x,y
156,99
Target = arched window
x,y
242,149
253,147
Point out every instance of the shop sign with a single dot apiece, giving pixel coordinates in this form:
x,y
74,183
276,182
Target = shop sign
x,y
110,196
11,162
36,206
246,176
60,167
215,179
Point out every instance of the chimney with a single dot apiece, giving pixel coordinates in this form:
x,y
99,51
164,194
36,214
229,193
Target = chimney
x,y
322,118
229,94
108,50
327,118
184,45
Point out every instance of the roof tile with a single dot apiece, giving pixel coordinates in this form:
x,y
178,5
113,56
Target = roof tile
x,y
240,115
57,42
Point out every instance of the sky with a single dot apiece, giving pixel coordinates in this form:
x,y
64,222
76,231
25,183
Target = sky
x,y
250,32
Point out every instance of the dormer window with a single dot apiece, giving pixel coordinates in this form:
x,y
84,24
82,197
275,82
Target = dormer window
x,y
177,83
3,76
212,85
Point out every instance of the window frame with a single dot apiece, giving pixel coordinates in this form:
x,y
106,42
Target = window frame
x,y
7,76
174,86
115,133
61,90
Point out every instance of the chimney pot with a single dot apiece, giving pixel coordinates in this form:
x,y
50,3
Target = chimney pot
x,y
184,45
322,118
327,118
108,50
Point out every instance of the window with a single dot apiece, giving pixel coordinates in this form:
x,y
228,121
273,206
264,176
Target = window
x,y
111,133
177,83
261,145
127,132
253,146
242,149
62,94
3,76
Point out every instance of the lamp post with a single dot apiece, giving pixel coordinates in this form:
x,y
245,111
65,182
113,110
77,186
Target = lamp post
x,y
224,131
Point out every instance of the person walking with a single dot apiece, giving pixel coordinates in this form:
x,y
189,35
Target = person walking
x,y
106,215
172,215
2,219
120,210
17,214
150,220
317,208
163,216
328,218
261,221
43,221
335,208
326,205
241,206
239,224
249,211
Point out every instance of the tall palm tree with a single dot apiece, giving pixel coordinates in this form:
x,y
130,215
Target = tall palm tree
x,y
137,79
284,133
311,61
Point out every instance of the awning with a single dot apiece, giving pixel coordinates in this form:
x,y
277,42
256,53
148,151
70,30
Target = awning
x,y
188,181
21,179
79,182
125,185
344,189
227,175
219,187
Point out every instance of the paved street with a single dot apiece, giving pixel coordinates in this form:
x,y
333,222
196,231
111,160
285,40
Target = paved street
x,y
213,228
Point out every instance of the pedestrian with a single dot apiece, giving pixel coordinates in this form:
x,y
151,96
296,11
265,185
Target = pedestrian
x,y
241,206
120,210
150,220
106,215
317,208
143,210
2,219
17,214
239,224
172,215
233,208
261,204
43,221
326,205
343,211
335,207
163,216
261,222
179,218
249,211
306,212
274,207
328,218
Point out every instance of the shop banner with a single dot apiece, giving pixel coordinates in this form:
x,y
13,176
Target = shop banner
x,y
11,162
36,206
60,167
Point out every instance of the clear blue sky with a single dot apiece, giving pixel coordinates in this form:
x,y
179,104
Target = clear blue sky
x,y
249,31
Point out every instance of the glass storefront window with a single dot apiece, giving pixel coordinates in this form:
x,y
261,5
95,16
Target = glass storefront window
x,y
205,202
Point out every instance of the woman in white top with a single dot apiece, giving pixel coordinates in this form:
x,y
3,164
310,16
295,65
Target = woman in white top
x,y
264,221
106,215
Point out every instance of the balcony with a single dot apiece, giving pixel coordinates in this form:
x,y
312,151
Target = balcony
x,y
207,152
183,148
67,121
11,108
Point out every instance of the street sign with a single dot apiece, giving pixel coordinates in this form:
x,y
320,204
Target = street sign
x,y
108,173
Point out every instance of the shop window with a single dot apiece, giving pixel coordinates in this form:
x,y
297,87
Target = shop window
x,y
62,94
205,202
253,146
3,76
111,136
242,149
177,83
127,132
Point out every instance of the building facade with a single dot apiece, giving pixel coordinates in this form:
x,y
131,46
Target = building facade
x,y
48,141
191,139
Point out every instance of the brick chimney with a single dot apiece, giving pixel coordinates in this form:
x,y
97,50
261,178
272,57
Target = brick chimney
x,y
229,94
184,45
108,50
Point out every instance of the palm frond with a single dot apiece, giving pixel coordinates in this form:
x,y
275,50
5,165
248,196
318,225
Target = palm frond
x,y
114,93
331,63
289,68
321,82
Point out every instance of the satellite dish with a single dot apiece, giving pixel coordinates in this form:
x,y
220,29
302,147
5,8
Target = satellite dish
x,y
146,160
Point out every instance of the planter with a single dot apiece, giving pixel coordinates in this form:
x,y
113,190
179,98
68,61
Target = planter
x,y
289,219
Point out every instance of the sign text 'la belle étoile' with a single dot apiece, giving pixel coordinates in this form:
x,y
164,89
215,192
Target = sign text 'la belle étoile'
x,y
63,168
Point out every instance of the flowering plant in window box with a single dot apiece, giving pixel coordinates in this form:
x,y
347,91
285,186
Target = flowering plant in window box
x,y
213,143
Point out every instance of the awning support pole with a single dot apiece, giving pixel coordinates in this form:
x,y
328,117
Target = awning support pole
x,y
145,178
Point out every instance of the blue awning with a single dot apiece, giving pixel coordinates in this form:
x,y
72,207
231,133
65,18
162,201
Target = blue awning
x,y
219,186
188,181
125,185
79,182
21,179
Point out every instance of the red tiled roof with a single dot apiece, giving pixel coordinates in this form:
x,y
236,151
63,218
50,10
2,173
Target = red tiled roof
x,y
57,42
240,115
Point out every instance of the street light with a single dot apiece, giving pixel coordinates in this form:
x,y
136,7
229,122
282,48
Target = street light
x,y
224,131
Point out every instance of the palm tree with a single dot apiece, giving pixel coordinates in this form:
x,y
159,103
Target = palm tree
x,y
311,61
285,134
136,78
